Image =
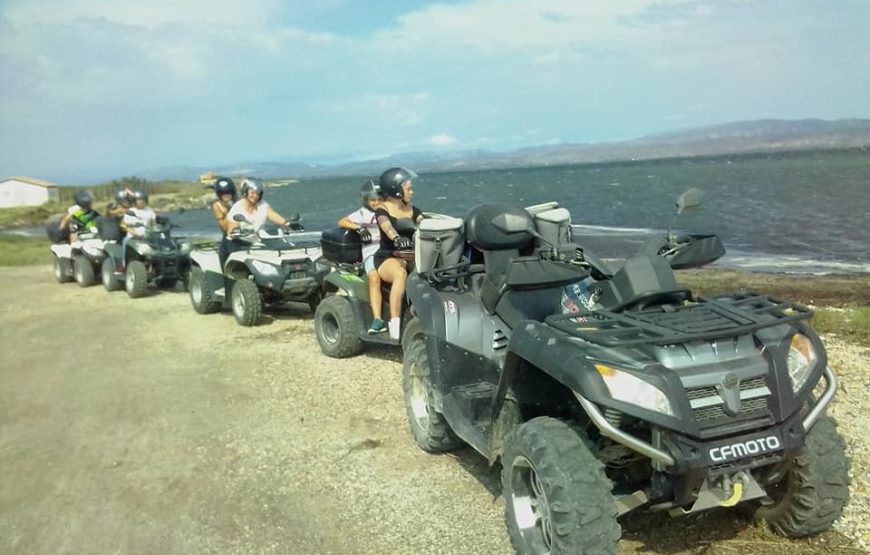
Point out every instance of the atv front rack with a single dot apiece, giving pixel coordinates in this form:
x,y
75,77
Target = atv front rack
x,y
708,318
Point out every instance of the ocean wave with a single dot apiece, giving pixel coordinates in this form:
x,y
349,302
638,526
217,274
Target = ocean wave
x,y
789,264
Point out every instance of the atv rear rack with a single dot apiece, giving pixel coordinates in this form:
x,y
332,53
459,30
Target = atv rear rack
x,y
709,318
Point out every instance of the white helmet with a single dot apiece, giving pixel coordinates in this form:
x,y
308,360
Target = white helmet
x,y
253,184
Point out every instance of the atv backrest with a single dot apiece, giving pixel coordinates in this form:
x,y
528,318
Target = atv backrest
x,y
483,234
554,226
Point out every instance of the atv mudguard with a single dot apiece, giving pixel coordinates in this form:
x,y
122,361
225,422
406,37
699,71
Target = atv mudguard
x,y
113,251
562,358
349,283
62,250
208,260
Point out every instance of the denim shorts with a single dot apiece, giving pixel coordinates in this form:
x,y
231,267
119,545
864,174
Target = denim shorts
x,y
369,264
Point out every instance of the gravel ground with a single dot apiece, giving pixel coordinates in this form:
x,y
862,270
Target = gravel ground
x,y
142,427
851,408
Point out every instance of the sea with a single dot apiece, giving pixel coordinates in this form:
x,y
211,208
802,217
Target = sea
x,y
795,213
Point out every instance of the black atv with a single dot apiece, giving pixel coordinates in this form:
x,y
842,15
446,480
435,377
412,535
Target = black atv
x,y
642,395
343,318
157,258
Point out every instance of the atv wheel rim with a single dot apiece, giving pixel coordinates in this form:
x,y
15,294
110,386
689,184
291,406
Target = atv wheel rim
x,y
58,271
239,305
329,328
196,294
130,281
418,396
79,277
107,275
531,509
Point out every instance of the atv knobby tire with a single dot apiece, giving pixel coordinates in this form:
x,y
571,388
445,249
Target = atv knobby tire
x,y
336,328
136,279
107,275
557,498
429,428
247,305
816,488
61,270
83,271
201,294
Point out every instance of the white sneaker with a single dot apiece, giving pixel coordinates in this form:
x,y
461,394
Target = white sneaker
x,y
395,327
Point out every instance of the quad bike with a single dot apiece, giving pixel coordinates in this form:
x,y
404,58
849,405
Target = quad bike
x,y
646,396
272,269
343,318
81,260
156,258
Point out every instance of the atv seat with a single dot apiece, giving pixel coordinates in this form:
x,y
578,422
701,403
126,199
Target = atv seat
x,y
514,286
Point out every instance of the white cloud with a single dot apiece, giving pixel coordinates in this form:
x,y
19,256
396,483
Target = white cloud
x,y
442,139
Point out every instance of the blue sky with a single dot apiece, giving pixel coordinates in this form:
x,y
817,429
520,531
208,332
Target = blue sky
x,y
112,87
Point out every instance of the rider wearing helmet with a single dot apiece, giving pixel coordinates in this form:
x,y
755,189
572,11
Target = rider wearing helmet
x,y
122,202
396,188
140,217
255,210
80,216
364,222
225,191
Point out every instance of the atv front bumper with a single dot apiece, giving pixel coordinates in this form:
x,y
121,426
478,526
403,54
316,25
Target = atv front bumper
x,y
681,454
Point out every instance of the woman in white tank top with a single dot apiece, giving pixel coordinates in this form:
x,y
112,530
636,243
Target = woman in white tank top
x,y
253,208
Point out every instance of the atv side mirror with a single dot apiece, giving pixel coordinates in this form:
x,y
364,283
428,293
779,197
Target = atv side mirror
x,y
292,218
689,199
240,218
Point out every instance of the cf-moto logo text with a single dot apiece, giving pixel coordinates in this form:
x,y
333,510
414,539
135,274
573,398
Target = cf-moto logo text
x,y
745,449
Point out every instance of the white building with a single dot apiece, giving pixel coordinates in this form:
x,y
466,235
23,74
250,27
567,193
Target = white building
x,y
26,191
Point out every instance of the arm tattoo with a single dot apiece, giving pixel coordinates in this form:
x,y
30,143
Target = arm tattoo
x,y
387,227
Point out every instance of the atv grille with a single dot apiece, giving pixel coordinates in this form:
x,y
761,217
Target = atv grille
x,y
297,275
713,318
710,390
707,415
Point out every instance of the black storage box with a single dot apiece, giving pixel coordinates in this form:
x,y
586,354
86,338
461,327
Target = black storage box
x,y
56,235
342,246
109,228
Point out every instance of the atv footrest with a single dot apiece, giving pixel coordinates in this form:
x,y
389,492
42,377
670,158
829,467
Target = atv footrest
x,y
467,409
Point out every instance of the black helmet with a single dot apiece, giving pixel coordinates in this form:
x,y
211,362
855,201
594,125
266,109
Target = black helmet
x,y
84,199
253,184
139,194
369,192
123,196
224,186
392,180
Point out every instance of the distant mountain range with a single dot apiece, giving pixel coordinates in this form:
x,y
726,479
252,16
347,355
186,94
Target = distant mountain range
x,y
759,136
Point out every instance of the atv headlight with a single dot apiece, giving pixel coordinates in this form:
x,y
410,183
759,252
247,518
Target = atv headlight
x,y
184,247
265,268
628,388
144,249
801,360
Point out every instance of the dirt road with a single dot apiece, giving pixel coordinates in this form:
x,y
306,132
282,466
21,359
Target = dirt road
x,y
138,426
